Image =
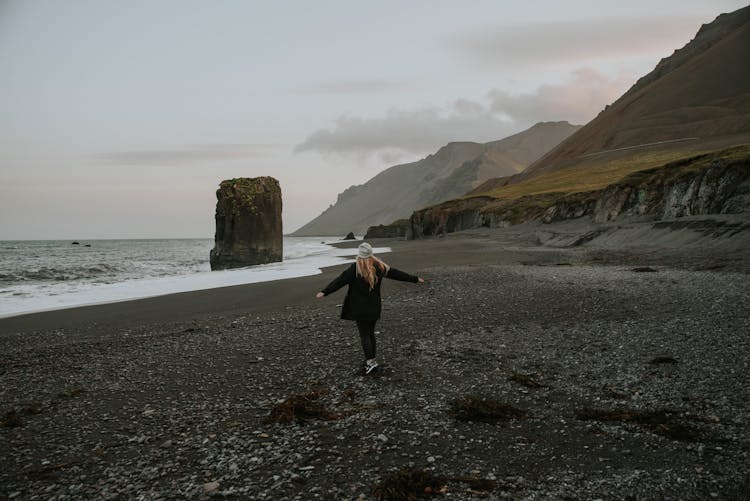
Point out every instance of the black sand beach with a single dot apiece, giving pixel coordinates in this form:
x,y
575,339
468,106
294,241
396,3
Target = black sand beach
x,y
519,370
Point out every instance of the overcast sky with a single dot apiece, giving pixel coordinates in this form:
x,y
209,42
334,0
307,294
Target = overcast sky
x,y
118,119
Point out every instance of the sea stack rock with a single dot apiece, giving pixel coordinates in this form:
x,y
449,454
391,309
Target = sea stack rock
x,y
248,223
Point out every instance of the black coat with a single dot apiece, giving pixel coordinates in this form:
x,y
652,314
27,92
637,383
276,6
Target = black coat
x,y
361,303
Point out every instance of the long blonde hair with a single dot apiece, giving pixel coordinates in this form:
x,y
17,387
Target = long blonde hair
x,y
366,269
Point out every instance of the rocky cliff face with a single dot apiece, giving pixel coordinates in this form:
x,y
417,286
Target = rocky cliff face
x,y
696,186
716,183
248,223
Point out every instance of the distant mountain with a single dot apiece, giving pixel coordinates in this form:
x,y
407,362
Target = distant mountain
x,y
452,171
700,92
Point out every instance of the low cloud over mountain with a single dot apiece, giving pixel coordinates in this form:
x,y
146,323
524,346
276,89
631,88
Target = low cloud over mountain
x,y
578,100
401,132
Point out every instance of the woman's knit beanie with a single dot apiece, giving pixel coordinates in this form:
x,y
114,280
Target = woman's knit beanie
x,y
364,250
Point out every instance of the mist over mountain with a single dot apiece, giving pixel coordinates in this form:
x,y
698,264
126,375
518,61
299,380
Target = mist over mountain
x,y
453,170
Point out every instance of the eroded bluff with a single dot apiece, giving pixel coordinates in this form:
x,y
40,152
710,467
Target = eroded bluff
x,y
714,183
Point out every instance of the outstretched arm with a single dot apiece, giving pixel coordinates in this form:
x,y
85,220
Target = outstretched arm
x,y
395,274
343,279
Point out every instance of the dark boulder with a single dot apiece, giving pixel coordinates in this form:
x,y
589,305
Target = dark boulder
x,y
397,229
350,236
248,223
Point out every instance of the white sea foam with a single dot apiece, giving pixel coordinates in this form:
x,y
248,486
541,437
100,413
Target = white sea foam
x,y
302,257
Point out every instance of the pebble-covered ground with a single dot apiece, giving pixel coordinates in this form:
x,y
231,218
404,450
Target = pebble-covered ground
x,y
181,410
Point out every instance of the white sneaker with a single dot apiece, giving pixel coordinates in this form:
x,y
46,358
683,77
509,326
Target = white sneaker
x,y
370,366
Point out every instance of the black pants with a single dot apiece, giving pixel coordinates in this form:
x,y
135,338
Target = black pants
x,y
367,335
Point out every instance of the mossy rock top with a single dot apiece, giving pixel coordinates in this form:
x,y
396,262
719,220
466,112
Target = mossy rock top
x,y
249,183
243,192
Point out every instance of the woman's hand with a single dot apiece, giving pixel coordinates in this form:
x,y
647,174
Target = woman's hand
x,y
319,295
420,280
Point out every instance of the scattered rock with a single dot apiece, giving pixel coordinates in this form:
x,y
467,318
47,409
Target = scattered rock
x,y
211,486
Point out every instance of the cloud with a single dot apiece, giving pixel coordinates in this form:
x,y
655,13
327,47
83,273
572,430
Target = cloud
x,y
578,41
402,132
578,100
353,87
188,155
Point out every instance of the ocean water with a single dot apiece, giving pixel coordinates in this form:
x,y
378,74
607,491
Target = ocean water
x,y
41,275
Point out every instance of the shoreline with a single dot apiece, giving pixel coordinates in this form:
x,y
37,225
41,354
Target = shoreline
x,y
148,296
688,242
227,300
151,287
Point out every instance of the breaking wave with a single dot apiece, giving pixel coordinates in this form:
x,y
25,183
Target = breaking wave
x,y
61,274
43,275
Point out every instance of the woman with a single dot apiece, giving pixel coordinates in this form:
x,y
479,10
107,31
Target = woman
x,y
362,302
